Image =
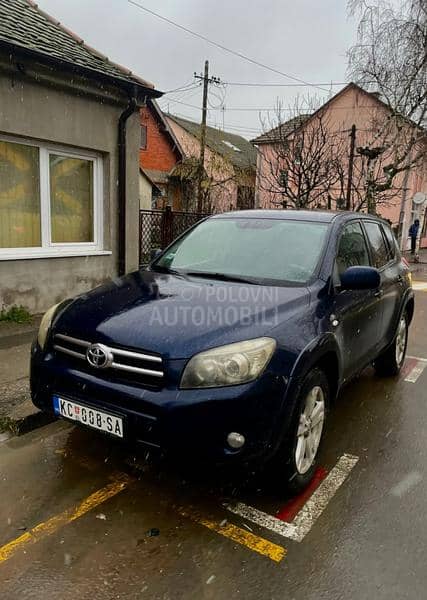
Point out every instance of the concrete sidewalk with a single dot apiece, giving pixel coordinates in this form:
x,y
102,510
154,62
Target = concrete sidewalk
x,y
422,256
418,269
17,413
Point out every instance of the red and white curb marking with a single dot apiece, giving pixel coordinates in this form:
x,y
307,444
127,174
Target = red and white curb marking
x,y
310,511
414,369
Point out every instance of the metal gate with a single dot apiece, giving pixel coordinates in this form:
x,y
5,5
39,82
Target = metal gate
x,y
158,228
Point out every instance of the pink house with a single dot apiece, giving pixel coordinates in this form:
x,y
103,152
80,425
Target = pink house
x,y
230,165
351,106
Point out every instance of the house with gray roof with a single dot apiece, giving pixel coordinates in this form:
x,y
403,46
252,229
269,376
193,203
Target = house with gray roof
x,y
229,167
69,168
282,131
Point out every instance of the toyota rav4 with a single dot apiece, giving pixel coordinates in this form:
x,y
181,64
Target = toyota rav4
x,y
236,339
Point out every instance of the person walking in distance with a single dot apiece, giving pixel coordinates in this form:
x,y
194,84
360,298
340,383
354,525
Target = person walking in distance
x,y
413,233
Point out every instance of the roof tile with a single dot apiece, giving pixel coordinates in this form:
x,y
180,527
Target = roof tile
x,y
24,25
233,147
282,131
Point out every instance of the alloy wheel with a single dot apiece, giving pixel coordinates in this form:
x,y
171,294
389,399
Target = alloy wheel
x,y
310,429
402,332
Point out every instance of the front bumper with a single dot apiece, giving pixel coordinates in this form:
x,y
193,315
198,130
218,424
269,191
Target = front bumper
x,y
194,422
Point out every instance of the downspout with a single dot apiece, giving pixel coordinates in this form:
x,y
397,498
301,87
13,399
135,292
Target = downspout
x,y
129,110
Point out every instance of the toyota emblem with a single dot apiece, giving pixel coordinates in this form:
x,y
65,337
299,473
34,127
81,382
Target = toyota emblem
x,y
99,356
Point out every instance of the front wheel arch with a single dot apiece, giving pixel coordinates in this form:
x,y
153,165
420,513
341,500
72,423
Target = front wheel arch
x,y
283,460
323,353
328,361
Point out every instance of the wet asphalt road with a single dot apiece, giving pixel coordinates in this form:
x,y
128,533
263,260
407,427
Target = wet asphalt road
x,y
151,540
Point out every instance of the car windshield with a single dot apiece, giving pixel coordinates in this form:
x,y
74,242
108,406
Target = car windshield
x,y
257,250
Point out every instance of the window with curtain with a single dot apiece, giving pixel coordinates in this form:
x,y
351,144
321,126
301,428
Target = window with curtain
x,y
71,199
49,200
20,218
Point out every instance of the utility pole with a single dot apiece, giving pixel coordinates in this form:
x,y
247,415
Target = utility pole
x,y
350,166
403,206
201,166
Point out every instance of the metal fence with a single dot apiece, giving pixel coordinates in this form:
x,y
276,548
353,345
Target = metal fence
x,y
158,228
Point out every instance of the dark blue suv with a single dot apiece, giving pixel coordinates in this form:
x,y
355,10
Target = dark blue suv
x,y
234,342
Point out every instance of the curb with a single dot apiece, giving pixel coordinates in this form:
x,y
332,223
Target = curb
x,y
24,419
31,422
10,329
17,339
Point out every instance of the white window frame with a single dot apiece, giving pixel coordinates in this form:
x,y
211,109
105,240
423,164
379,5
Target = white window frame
x,y
50,249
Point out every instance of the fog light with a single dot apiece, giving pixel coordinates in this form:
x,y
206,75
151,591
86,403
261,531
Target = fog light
x,y
235,440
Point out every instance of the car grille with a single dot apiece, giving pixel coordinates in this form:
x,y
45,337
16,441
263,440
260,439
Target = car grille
x,y
142,367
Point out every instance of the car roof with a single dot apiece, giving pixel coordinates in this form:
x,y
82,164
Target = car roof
x,y
321,216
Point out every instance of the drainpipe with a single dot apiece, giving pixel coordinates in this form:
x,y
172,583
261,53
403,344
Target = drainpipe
x,y
129,110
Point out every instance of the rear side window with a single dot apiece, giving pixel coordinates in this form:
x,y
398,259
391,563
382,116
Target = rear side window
x,y
352,250
391,240
380,254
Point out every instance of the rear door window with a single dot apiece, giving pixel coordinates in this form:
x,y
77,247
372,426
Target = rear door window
x,y
380,252
352,250
391,240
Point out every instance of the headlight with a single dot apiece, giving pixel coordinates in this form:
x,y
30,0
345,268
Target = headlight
x,y
45,325
228,365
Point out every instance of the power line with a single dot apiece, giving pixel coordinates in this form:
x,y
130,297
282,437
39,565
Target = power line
x,y
221,101
250,130
231,125
188,86
187,95
239,130
224,48
265,109
254,129
164,102
241,83
238,127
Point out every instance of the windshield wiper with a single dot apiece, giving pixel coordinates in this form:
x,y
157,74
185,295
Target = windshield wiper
x,y
221,277
161,269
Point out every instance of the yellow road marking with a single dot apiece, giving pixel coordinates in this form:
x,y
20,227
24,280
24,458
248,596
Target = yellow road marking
x,y
48,527
419,286
241,536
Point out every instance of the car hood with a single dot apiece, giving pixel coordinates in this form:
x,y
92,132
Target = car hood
x,y
177,316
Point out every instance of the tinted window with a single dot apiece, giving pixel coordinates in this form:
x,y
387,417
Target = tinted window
x,y
379,250
269,249
391,241
352,250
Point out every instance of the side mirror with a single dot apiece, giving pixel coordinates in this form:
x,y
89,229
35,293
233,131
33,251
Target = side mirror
x,y
155,253
360,278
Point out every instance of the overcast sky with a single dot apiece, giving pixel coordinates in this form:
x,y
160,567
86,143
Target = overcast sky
x,y
307,39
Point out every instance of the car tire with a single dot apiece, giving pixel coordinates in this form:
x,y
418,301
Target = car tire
x,y
391,361
297,458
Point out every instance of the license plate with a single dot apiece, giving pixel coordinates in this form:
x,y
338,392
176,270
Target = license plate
x,y
97,419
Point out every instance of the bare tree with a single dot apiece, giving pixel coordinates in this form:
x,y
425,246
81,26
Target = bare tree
x,y
220,183
365,169
303,159
390,58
